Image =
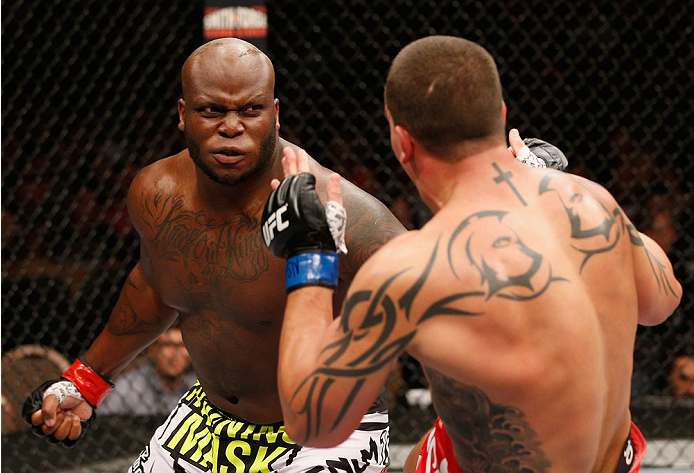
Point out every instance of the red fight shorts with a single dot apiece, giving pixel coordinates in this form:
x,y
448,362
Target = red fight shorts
x,y
437,454
633,452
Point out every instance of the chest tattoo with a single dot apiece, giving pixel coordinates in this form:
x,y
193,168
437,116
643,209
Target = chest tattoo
x,y
212,249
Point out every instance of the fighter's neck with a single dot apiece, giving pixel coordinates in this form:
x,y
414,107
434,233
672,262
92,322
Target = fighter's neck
x,y
439,182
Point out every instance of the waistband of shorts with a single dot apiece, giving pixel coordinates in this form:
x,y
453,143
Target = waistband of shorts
x,y
633,452
197,400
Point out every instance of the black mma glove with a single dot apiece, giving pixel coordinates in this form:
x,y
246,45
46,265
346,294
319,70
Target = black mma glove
x,y
34,403
295,228
79,381
541,154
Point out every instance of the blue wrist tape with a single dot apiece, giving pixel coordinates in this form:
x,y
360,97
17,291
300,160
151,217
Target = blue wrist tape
x,y
312,269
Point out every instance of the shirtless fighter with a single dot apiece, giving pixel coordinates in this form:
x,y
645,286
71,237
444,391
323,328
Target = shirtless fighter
x,y
203,261
520,297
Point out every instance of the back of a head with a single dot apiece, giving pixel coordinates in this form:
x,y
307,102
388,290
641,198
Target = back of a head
x,y
445,90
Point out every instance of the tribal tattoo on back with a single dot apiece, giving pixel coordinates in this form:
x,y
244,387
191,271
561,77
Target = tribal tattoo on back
x,y
382,309
597,232
509,268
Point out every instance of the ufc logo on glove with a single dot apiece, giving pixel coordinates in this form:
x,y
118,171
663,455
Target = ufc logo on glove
x,y
274,221
296,228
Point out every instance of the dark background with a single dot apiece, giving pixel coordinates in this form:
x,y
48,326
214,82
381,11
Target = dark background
x,y
89,91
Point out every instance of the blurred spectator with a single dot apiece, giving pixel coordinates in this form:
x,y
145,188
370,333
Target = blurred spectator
x,y
681,375
661,220
154,387
403,211
365,179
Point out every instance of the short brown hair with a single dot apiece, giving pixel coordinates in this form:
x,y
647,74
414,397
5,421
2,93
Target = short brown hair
x,y
444,90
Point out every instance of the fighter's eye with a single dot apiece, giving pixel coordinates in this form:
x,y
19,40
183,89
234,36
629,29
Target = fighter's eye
x,y
502,242
208,111
252,111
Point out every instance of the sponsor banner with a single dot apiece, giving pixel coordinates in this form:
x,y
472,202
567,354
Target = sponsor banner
x,y
246,20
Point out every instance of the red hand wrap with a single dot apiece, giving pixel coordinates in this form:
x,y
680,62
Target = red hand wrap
x,y
93,387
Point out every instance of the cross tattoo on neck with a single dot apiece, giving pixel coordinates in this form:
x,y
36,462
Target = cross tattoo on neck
x,y
506,177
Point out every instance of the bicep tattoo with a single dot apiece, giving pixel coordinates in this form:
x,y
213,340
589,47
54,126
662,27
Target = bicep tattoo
x,y
367,231
125,320
660,273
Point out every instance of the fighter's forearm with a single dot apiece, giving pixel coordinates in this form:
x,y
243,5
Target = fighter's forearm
x,y
323,391
137,319
308,313
309,401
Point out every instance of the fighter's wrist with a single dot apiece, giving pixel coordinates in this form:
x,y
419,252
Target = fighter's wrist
x,y
312,269
92,385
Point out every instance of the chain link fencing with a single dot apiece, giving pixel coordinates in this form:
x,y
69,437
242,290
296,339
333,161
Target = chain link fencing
x,y
89,92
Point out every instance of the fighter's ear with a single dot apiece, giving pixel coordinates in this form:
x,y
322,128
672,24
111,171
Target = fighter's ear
x,y
181,114
407,144
503,111
277,114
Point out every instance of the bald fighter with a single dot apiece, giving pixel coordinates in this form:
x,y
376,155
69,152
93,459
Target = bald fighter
x,y
520,297
204,263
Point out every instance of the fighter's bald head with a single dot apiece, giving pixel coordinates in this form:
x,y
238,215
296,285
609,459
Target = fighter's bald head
x,y
223,55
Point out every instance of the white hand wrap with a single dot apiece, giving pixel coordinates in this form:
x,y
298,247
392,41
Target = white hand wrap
x,y
63,389
336,215
529,158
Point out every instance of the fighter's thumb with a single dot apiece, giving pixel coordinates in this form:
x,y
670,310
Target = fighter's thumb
x,y
333,189
49,408
515,140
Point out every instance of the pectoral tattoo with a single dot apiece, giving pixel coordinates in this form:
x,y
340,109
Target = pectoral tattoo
x,y
211,249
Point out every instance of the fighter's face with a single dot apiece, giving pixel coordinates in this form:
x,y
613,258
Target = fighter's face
x,y
682,377
231,124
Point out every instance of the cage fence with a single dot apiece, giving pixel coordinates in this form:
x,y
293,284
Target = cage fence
x,y
89,92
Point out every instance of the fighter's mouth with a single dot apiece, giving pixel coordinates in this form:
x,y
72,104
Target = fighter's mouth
x,y
228,155
228,151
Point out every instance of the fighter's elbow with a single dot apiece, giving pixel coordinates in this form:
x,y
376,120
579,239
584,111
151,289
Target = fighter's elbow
x,y
657,315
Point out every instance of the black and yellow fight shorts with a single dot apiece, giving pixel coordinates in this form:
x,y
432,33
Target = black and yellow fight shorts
x,y
198,437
